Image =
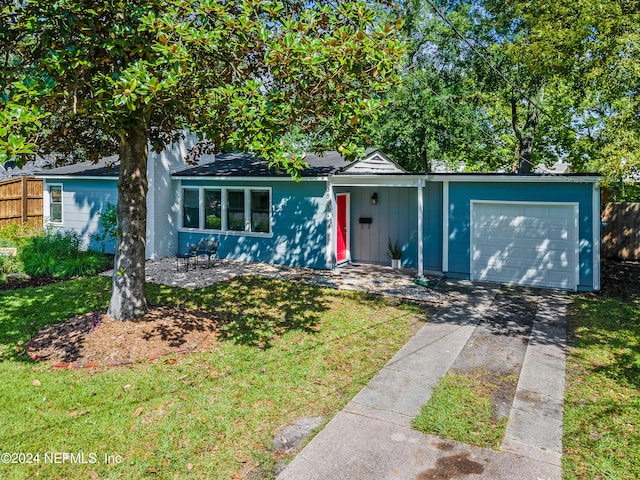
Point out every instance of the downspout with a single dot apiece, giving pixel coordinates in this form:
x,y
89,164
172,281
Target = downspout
x,y
420,228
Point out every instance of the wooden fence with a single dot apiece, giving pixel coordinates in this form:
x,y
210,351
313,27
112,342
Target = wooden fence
x,y
21,201
621,231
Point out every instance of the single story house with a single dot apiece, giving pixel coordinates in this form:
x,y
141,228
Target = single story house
x,y
538,230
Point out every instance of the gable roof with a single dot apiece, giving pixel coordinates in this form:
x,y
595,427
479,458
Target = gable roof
x,y
328,163
105,167
245,165
248,165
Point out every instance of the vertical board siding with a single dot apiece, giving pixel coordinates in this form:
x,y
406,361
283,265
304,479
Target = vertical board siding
x,y
393,217
461,194
621,231
82,203
298,226
21,201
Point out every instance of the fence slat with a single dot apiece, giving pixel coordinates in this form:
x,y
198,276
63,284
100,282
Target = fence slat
x,y
21,201
621,231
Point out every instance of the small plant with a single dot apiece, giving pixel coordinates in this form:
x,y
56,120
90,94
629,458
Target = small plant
x,y
10,264
96,319
395,252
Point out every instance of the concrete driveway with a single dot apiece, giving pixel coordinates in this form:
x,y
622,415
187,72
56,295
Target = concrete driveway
x,y
519,329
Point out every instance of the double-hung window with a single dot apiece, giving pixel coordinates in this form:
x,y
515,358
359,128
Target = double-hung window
x,y
235,210
190,208
227,209
213,209
260,211
55,203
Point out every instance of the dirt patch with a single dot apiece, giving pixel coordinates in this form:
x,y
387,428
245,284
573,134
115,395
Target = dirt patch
x,y
96,339
621,280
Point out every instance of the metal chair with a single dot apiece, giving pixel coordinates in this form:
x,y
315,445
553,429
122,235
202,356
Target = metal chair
x,y
208,247
192,252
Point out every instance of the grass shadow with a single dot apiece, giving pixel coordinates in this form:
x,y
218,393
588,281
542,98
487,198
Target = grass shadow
x,y
251,310
24,312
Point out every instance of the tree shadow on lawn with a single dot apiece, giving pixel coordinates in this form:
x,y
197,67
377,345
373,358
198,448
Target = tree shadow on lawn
x,y
611,319
24,312
614,328
253,311
246,311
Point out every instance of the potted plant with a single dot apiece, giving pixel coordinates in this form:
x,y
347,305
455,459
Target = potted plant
x,y
395,253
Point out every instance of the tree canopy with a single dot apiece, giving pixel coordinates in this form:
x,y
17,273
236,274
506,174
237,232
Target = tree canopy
x,y
519,83
124,75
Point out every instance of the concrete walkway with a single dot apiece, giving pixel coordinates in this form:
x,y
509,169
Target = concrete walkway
x,y
372,437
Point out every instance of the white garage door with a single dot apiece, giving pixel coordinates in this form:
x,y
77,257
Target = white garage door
x,y
533,244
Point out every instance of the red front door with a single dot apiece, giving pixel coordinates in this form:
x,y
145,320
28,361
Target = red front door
x,y
342,240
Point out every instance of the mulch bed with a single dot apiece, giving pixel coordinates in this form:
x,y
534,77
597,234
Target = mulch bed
x,y
14,283
95,339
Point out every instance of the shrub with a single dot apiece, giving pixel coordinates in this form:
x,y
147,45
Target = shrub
x,y
38,264
15,234
9,264
83,263
58,254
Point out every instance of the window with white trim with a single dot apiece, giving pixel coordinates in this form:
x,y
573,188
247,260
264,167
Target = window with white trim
x,y
227,209
191,208
55,203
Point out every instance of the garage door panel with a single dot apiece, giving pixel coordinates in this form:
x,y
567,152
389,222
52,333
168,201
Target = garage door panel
x,y
534,237
527,244
550,261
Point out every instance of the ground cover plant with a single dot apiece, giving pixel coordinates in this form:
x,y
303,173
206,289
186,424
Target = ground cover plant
x,y
285,351
602,394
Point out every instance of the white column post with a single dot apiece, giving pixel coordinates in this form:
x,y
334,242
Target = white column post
x,y
597,224
445,226
420,228
330,220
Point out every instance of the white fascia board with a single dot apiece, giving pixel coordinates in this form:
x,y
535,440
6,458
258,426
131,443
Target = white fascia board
x,y
248,179
513,179
377,180
74,177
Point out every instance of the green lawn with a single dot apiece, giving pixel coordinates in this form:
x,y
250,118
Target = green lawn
x,y
288,351
461,408
602,395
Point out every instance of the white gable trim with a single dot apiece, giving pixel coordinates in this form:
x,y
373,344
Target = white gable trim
x,y
375,163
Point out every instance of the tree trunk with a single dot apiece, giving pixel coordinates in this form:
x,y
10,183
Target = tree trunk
x,y
525,137
127,298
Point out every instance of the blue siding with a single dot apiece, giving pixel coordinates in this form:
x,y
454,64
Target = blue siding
x,y
461,194
432,226
82,202
298,225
